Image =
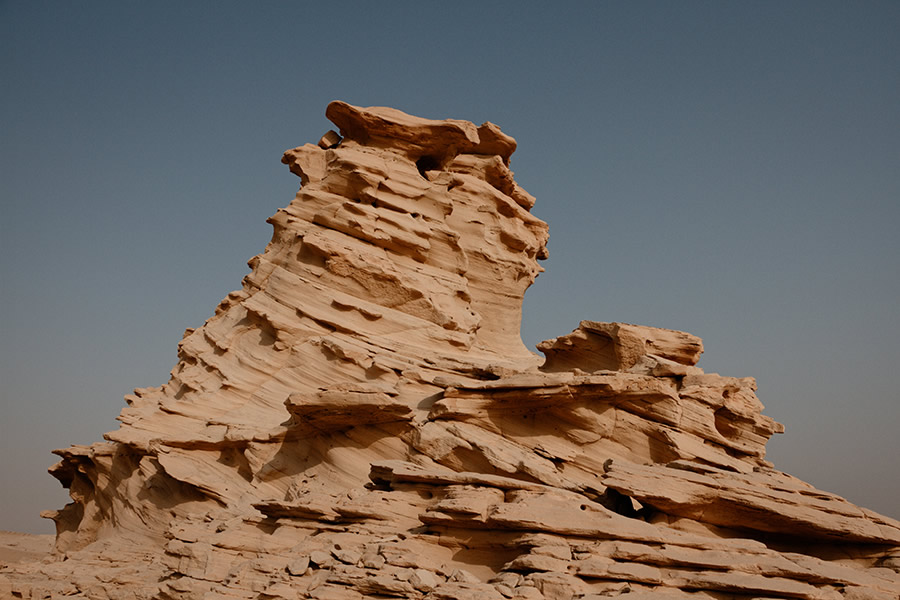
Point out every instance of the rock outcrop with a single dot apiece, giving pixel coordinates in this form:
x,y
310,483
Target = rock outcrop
x,y
362,420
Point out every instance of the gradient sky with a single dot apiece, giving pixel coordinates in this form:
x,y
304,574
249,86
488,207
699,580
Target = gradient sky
x,y
727,169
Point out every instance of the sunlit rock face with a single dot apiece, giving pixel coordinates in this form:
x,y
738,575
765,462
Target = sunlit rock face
x,y
362,420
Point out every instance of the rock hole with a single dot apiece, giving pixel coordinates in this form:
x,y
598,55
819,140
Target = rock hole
x,y
726,424
621,504
427,163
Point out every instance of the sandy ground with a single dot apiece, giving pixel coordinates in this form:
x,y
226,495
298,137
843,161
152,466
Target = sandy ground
x,y
21,547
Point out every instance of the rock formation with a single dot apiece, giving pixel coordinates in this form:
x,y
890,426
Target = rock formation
x,y
362,420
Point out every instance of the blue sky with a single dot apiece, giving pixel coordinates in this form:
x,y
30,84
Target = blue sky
x,y
727,169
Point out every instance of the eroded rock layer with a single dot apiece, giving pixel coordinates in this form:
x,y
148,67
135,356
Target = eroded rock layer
x,y
362,420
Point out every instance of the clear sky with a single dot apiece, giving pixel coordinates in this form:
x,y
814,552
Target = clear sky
x,y
727,169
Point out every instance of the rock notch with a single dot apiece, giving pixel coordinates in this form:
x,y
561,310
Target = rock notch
x,y
362,420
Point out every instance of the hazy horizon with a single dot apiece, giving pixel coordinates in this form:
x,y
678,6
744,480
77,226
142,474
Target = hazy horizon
x,y
729,170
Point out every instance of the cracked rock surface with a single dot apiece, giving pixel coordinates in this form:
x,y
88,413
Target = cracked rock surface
x,y
362,420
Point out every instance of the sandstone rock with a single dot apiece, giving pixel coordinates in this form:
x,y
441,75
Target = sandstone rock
x,y
362,420
331,139
618,346
760,501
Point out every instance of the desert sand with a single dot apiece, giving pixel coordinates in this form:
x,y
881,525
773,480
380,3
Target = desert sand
x,y
23,547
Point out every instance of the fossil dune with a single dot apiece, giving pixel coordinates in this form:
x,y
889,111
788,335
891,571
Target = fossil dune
x,y
362,420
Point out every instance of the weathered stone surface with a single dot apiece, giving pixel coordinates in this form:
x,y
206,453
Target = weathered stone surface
x,y
761,501
333,409
598,346
362,420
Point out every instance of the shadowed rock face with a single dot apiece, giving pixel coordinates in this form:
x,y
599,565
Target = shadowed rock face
x,y
362,420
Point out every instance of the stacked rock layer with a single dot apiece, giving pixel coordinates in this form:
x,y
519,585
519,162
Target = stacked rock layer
x,y
362,420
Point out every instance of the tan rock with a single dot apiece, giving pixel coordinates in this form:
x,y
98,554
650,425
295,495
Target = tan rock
x,y
598,346
757,501
331,139
361,419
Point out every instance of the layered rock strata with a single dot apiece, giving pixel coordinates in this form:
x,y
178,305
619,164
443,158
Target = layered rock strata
x,y
362,420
